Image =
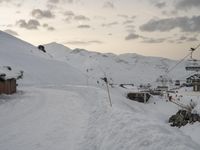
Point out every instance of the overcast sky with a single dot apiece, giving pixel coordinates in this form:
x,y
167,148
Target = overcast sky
x,y
166,28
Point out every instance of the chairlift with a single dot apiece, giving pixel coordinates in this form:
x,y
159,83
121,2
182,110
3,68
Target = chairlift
x,y
192,64
164,80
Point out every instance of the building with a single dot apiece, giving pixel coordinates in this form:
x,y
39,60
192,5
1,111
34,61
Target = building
x,y
8,86
141,97
8,80
194,81
196,85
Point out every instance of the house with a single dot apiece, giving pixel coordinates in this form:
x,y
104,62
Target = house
x,y
194,81
196,85
8,80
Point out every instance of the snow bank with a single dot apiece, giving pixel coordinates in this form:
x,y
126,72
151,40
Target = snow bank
x,y
115,129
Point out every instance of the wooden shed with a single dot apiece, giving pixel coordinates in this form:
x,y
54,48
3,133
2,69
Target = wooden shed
x,y
8,79
8,86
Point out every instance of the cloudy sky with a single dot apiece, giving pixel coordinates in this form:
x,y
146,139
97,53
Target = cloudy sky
x,y
166,28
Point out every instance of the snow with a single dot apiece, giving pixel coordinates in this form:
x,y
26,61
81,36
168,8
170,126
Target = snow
x,y
9,74
59,105
38,67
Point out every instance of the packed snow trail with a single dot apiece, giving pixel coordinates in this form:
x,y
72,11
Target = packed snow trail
x,y
42,119
79,118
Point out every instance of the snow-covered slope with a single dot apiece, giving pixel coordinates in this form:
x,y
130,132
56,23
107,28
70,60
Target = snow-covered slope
x,y
57,51
38,67
59,111
124,68
79,118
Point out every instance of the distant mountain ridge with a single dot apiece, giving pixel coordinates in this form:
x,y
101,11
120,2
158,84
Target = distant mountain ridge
x,y
64,65
123,68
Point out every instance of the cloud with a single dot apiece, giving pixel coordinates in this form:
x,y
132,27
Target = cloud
x,y
54,1
69,13
110,24
185,24
153,40
123,16
182,39
170,13
1,1
160,5
39,14
68,1
187,4
81,18
49,28
11,32
108,4
130,28
84,42
128,22
59,1
132,36
30,25
192,39
84,26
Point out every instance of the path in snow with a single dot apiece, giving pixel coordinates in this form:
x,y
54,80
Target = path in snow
x,y
79,118
42,119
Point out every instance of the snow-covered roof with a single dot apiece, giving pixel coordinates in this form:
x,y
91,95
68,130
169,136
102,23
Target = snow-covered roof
x,y
194,77
6,72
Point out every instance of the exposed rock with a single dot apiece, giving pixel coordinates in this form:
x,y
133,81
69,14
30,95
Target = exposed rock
x,y
183,117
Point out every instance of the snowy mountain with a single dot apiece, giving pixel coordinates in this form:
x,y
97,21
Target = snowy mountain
x,y
60,106
38,67
124,68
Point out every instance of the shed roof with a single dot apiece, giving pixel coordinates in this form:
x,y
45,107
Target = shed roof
x,y
6,72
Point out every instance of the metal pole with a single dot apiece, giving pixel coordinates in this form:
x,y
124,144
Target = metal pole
x,y
109,94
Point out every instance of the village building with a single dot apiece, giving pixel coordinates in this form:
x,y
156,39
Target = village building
x,y
194,81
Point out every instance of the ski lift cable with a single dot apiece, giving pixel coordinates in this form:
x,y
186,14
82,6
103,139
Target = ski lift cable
x,y
178,63
190,54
